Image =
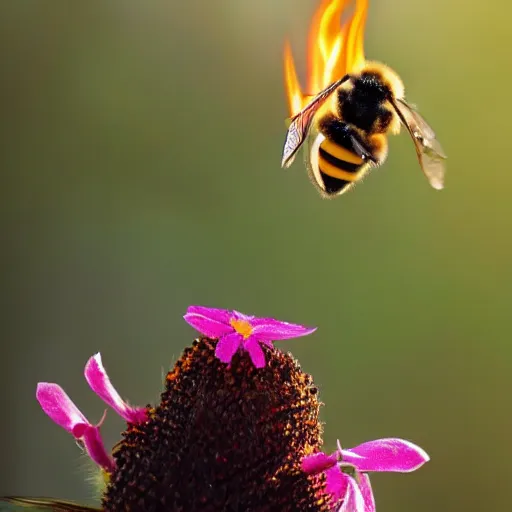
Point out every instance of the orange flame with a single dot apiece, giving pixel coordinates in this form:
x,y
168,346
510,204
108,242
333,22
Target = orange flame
x,y
334,49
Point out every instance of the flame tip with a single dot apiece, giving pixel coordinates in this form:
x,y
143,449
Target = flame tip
x,y
334,49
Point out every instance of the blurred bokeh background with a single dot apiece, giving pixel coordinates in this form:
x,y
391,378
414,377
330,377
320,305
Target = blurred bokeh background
x,y
140,165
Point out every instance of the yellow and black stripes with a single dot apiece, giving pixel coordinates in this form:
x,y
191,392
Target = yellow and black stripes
x,y
339,166
337,174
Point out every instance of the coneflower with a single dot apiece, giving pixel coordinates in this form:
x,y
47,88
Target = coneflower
x,y
236,430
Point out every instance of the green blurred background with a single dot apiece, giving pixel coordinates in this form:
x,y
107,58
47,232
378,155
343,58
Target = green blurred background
x,y
141,146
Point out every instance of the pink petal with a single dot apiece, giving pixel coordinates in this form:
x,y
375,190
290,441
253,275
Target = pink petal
x,y
272,330
366,491
353,500
210,322
257,320
219,315
227,347
318,462
241,316
59,407
93,443
386,455
99,382
336,483
252,346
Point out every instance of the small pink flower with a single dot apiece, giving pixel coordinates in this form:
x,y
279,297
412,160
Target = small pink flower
x,y
236,331
62,410
345,470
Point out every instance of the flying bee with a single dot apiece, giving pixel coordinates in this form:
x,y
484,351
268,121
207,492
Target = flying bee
x,y
347,124
18,503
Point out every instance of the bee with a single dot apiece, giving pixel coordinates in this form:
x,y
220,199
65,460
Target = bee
x,y
347,125
13,503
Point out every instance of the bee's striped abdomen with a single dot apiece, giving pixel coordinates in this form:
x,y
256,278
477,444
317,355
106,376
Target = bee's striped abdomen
x,y
338,166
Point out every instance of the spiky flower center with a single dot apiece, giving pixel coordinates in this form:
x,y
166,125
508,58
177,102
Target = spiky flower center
x,y
242,327
223,438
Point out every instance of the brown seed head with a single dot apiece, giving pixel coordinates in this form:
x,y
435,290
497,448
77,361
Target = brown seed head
x,y
223,439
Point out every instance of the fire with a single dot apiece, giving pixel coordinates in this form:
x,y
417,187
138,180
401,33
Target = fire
x,y
334,49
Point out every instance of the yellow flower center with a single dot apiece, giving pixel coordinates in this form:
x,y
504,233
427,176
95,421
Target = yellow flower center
x,y
242,327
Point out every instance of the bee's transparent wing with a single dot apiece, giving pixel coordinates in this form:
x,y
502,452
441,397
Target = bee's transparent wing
x,y
300,123
430,153
18,503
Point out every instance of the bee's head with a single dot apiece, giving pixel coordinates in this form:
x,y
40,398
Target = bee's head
x,y
367,100
380,80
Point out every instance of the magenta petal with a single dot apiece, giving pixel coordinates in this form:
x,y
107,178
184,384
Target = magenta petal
x,y
211,325
241,316
272,330
318,462
256,320
95,448
222,316
227,346
99,382
58,406
386,455
366,491
336,483
256,353
353,500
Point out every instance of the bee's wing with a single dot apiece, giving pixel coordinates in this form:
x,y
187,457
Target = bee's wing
x,y
430,153
300,123
18,503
